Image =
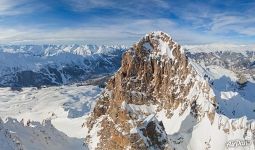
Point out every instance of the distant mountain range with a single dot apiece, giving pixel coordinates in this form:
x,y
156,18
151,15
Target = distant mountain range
x,y
36,65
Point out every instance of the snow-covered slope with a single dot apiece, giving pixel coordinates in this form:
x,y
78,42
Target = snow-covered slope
x,y
15,135
234,100
223,66
67,105
56,114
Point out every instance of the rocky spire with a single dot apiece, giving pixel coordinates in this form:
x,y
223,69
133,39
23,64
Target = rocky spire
x,y
154,81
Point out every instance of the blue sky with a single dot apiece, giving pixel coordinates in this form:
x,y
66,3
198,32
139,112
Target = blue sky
x,y
125,21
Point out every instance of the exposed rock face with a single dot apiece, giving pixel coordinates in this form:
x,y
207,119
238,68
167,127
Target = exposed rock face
x,y
156,79
152,134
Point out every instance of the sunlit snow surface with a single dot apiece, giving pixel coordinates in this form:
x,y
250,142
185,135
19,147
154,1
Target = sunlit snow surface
x,y
233,102
66,107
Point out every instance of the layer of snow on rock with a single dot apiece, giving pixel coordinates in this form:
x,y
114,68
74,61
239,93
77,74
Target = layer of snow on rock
x,y
165,50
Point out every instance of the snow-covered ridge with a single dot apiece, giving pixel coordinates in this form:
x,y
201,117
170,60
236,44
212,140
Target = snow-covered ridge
x,y
207,48
34,56
51,50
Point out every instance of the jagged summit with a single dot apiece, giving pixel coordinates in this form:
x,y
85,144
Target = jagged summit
x,y
155,79
159,44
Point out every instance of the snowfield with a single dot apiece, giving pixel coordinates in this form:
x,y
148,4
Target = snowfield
x,y
233,101
65,107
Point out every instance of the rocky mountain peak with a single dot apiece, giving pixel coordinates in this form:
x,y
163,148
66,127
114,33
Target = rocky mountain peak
x,y
155,82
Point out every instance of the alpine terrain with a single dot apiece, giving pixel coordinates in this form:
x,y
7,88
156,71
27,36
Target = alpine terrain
x,y
154,95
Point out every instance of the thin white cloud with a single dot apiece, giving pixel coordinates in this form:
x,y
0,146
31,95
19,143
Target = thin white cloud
x,y
230,23
227,19
126,8
18,7
83,5
126,32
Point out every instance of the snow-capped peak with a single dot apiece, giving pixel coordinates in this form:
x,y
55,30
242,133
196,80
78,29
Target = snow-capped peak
x,y
160,44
